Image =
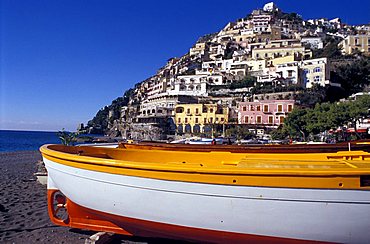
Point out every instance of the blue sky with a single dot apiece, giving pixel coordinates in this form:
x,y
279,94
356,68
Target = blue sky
x,y
61,61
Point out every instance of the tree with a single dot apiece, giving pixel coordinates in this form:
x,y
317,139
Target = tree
x,y
100,121
280,133
330,50
359,110
295,124
240,132
354,76
311,96
67,138
248,81
302,122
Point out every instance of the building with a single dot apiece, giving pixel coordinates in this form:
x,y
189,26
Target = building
x,y
267,113
198,49
270,7
275,52
199,118
285,71
313,42
352,43
262,22
191,85
314,71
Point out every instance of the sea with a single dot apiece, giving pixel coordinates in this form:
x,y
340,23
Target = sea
x,y
12,141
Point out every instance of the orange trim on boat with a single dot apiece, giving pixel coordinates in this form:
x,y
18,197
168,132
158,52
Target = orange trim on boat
x,y
84,218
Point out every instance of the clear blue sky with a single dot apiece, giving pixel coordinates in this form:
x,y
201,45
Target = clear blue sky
x,y
61,61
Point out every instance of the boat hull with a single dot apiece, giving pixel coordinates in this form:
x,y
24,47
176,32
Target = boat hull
x,y
208,212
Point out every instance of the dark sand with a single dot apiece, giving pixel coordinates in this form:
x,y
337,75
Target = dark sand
x,y
23,207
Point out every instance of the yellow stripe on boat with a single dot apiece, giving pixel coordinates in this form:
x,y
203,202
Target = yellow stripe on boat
x,y
341,170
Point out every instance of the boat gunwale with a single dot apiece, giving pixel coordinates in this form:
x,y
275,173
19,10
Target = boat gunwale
x,y
190,169
254,148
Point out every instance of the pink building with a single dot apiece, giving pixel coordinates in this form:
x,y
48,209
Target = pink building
x,y
264,113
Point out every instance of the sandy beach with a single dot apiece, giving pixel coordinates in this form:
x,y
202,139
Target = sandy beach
x,y
23,207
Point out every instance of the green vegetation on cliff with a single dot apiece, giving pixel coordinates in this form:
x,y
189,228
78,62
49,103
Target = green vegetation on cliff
x,y
99,123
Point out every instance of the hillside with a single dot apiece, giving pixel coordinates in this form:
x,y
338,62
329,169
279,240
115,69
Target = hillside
x,y
267,55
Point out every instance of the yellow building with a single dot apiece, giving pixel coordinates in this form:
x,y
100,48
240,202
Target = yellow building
x,y
282,60
276,52
354,43
199,118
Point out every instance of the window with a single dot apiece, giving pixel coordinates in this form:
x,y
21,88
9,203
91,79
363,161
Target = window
x,y
216,119
246,119
290,107
317,79
357,41
211,120
222,119
196,120
317,69
280,108
265,108
186,120
205,121
259,120
211,110
290,73
281,119
271,119
179,120
258,108
188,111
197,110
244,108
252,108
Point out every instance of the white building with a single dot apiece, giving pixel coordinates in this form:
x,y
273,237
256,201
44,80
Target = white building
x,y
270,7
287,71
314,42
315,71
262,23
194,85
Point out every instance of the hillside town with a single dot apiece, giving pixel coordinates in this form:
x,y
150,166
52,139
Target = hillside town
x,y
248,76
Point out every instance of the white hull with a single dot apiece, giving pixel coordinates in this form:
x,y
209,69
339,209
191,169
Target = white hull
x,y
306,214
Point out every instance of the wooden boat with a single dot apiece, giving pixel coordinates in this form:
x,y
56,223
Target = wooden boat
x,y
253,148
222,196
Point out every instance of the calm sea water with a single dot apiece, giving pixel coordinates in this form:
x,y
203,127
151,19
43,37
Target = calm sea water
x,y
11,141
